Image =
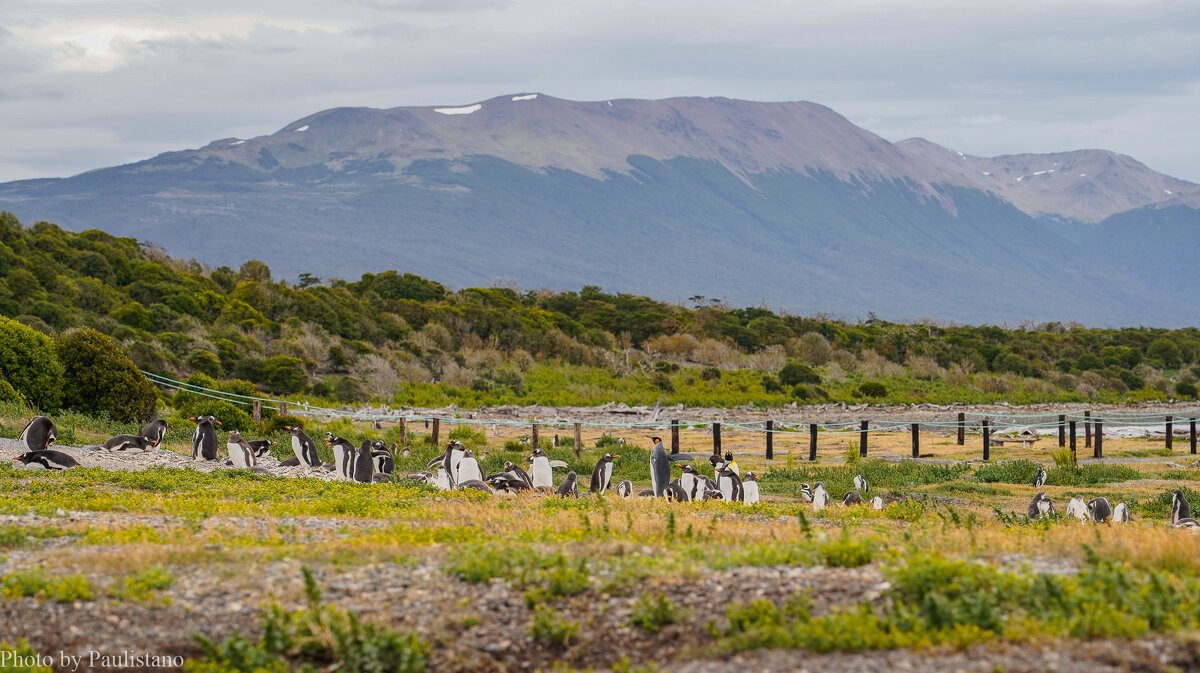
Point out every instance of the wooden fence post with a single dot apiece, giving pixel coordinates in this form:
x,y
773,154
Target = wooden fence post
x,y
578,440
812,441
1062,430
436,427
403,431
916,440
1192,434
1074,458
675,436
283,408
1087,429
770,440
1099,439
1170,432
256,414
987,441
962,428
533,437
716,439
862,438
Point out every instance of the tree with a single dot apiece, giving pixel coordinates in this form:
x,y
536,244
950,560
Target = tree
x,y
101,380
1165,353
28,362
794,373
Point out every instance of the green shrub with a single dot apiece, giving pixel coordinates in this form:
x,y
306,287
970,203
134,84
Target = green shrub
x,y
1089,475
278,424
710,374
872,389
794,373
651,613
1185,390
847,552
205,362
24,653
28,362
141,585
1018,471
64,589
549,628
8,393
102,379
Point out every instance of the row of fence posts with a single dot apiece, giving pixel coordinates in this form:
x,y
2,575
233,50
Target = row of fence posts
x,y
1093,434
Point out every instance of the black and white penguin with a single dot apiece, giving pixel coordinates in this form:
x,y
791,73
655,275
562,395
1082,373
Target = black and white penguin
x,y
674,491
1040,479
625,488
260,447
204,440
540,473
468,467
646,493
1077,509
343,455
1121,513
49,459
660,467
39,433
729,484
717,463
690,481
304,448
820,497
1100,510
602,473
750,488
507,481
1180,508
860,483
454,454
514,469
806,493
1040,506
125,442
240,453
570,486
1191,525
156,431
363,467
385,463
381,478
476,485
852,498
404,453
877,503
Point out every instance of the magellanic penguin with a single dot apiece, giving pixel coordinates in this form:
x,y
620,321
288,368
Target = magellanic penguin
x,y
364,467
124,442
750,488
540,472
1040,479
660,467
155,431
625,488
304,448
1040,506
729,484
806,493
49,459
204,440
1100,510
240,452
1180,508
860,484
39,433
1078,509
468,467
343,455
852,498
1121,513
602,473
820,497
570,486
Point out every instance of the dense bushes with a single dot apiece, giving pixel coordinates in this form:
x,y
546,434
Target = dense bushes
x,y
28,362
101,380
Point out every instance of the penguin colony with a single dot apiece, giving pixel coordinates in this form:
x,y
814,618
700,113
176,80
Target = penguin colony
x,y
458,468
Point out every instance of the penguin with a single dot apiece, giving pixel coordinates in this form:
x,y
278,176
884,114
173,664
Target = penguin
x,y
404,453
123,442
1191,525
750,489
806,493
1040,506
261,447
1180,508
475,484
204,440
540,472
363,467
1077,509
381,478
1040,479
660,467
860,483
382,457
343,455
852,498
711,493
506,481
49,459
646,493
156,431
440,479
1121,513
570,486
240,452
304,448
468,467
877,503
729,484
673,491
820,497
690,482
602,473
454,455
716,463
732,465
39,433
514,469
1100,510
625,488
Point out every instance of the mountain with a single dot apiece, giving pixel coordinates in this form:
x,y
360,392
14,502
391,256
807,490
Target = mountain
x,y
786,204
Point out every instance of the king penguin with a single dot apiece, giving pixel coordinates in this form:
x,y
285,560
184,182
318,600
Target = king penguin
x,y
540,472
731,464
602,473
303,447
750,488
660,467
39,433
204,440
1180,508
240,452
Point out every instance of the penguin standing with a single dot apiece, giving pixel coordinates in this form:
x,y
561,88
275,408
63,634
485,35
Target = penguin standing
x,y
155,431
1121,513
729,484
49,459
304,448
602,473
570,486
806,493
240,452
852,498
454,454
364,466
385,463
39,433
124,442
1040,479
540,472
690,482
1180,508
660,467
625,488
877,503
1100,510
860,484
820,497
1077,509
204,440
343,455
468,467
750,489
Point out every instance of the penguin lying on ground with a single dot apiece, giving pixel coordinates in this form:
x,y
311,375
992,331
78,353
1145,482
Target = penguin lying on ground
x,y
39,433
673,491
156,431
204,440
877,503
49,459
1099,509
515,470
1078,509
124,442
852,498
260,447
476,485
507,481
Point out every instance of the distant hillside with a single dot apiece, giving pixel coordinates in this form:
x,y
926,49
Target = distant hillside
x,y
784,204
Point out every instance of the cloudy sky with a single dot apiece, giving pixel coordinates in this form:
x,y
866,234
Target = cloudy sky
x,y
91,83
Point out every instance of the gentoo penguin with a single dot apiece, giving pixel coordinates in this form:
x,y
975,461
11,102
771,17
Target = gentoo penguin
x,y
476,484
1040,479
1078,509
1180,508
507,481
731,464
260,447
602,473
49,459
240,453
570,486
860,483
820,497
806,493
39,433
343,455
468,467
852,498
729,484
303,447
364,466
540,473
382,457
441,479
1191,525
625,488
660,467
877,503
1121,513
124,442
646,493
1040,506
674,491
514,469
1100,510
204,440
156,431
750,488
690,482
381,478
454,455
716,462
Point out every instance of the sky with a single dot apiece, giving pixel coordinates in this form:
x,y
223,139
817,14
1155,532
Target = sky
x,y
91,83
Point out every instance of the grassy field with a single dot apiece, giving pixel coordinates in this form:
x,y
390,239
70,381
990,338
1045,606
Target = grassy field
x,y
236,571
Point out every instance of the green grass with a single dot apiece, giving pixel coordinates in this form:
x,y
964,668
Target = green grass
x,y
35,583
882,476
652,612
